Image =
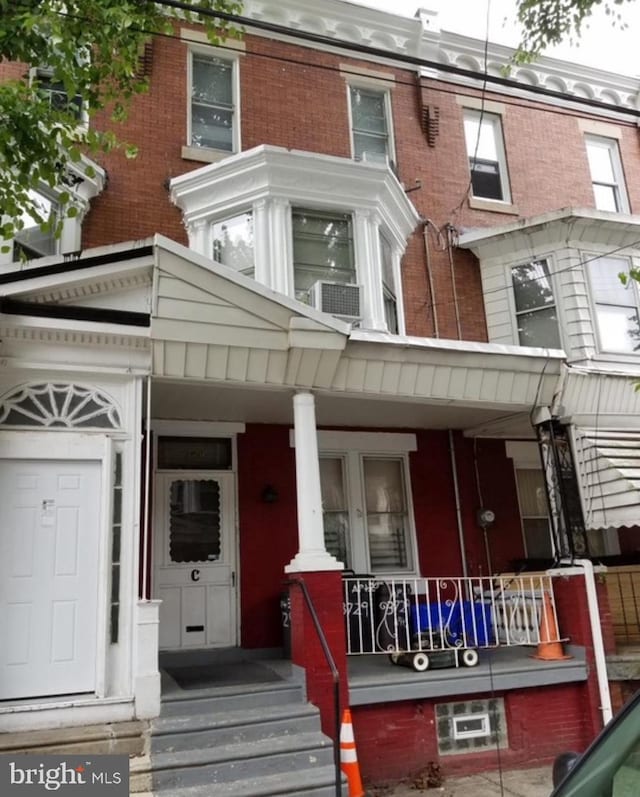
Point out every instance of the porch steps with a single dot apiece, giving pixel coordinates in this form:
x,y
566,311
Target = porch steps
x,y
253,740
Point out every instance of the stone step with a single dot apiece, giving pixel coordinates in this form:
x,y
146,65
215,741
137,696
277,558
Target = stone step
x,y
118,737
189,731
231,698
232,762
316,782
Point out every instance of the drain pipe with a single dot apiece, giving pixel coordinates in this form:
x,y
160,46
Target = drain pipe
x,y
456,491
575,565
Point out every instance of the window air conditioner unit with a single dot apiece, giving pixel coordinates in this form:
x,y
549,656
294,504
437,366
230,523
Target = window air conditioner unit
x,y
338,298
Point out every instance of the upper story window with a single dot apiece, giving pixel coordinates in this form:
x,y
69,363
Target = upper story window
x,y
322,250
607,177
56,92
32,241
535,306
615,305
370,124
233,243
389,285
213,122
486,153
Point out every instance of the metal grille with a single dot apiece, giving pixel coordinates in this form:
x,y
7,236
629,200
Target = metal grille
x,y
338,299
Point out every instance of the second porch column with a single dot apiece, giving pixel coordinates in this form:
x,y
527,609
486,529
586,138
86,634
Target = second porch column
x,y
312,554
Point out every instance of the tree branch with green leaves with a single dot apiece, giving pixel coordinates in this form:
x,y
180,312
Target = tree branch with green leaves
x,y
89,50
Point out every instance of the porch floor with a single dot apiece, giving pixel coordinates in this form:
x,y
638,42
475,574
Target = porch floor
x,y
374,679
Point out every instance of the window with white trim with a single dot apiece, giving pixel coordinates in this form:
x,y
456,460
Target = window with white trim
x,y
37,237
486,154
56,93
365,502
322,250
615,305
388,286
370,124
607,177
535,306
213,120
534,513
233,243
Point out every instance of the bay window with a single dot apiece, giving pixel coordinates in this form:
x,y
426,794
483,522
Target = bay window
x,y
322,250
233,243
615,304
535,307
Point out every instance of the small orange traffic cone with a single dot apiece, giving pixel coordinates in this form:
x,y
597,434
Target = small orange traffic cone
x,y
549,647
348,756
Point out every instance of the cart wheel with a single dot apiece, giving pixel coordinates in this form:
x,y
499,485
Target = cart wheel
x,y
394,657
420,662
470,657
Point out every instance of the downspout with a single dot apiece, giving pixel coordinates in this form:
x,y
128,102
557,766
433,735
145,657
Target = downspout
x,y
456,491
596,630
427,253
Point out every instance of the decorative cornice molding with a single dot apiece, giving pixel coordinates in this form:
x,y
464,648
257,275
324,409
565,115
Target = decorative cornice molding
x,y
422,37
73,292
299,177
73,337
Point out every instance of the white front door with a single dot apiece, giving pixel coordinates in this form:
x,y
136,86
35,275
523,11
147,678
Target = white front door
x,y
195,559
49,545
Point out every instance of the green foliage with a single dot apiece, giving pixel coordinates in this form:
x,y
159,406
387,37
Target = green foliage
x,y
91,50
549,22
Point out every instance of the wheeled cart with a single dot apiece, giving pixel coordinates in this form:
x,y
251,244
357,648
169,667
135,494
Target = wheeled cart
x,y
422,660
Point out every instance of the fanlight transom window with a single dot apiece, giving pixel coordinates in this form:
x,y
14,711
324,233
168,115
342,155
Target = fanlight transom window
x,y
55,405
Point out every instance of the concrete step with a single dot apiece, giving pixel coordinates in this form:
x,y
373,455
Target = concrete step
x,y
317,782
252,760
190,731
231,698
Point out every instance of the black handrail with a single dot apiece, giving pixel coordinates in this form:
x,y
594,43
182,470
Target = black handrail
x,y
335,675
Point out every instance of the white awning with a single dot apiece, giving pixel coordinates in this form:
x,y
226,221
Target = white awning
x,y
608,470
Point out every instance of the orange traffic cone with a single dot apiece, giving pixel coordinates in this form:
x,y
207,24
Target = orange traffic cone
x,y
549,647
348,756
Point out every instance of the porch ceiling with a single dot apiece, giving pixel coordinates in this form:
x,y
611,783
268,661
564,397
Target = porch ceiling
x,y
184,400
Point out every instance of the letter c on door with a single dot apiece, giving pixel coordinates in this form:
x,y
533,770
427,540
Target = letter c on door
x,y
195,575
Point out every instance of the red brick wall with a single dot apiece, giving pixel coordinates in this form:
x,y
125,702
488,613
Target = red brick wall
x,y
397,740
268,532
325,594
269,536
296,97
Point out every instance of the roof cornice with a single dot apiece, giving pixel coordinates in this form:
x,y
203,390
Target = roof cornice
x,y
420,37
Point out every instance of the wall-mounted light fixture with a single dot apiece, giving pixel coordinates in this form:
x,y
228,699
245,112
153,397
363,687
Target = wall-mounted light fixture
x,y
269,494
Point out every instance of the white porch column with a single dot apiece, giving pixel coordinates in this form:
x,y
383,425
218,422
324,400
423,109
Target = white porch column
x,y
312,555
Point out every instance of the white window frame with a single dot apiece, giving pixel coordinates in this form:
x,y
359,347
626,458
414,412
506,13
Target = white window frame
x,y
526,456
231,56
483,116
82,192
626,262
379,87
353,448
512,298
619,186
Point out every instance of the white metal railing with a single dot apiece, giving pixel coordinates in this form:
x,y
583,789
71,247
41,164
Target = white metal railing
x,y
396,615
